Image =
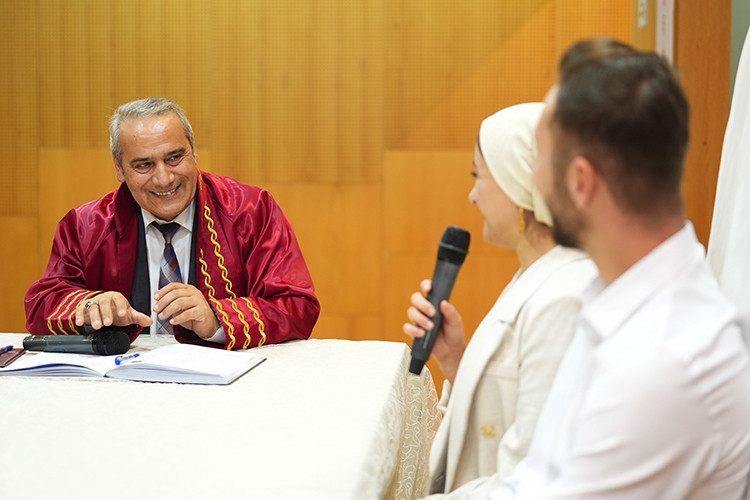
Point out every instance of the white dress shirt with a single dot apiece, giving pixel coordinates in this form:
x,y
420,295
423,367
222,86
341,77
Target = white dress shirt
x,y
652,400
181,243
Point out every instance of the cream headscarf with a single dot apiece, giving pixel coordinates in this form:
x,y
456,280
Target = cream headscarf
x,y
508,143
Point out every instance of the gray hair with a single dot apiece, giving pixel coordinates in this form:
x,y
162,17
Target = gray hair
x,y
145,107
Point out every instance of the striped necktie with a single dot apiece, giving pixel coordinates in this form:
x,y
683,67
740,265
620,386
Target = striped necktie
x,y
169,270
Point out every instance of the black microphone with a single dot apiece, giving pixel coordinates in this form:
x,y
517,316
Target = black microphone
x,y
106,342
452,251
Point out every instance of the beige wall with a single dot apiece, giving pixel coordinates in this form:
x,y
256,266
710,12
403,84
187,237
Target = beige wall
x,y
359,116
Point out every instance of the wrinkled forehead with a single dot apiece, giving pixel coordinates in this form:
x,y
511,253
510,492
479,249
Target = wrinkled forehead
x,y
152,136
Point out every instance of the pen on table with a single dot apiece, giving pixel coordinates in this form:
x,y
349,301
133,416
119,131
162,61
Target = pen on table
x,y
120,359
6,349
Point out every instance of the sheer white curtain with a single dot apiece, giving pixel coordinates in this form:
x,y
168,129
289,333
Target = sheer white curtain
x,y
729,244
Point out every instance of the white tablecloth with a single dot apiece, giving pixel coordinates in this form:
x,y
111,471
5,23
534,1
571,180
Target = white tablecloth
x,y
328,419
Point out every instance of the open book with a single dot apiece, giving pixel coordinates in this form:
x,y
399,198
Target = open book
x,y
185,363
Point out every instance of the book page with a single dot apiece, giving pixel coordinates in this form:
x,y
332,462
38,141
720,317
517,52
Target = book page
x,y
60,363
187,363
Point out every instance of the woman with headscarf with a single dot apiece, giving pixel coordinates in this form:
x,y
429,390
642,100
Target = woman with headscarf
x,y
496,385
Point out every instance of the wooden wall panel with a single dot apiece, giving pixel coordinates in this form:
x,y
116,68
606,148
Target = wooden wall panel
x,y
101,79
68,177
52,91
236,109
19,270
125,52
576,19
702,51
702,55
340,232
449,65
19,110
456,63
75,74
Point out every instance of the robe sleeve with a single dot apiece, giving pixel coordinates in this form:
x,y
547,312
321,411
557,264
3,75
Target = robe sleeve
x,y
277,302
52,300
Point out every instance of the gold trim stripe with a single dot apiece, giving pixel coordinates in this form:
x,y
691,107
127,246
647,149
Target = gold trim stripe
x,y
230,331
54,314
206,277
225,277
261,325
67,308
217,252
244,323
212,298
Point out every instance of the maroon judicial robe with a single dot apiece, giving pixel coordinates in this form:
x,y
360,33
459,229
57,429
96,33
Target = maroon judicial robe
x,y
248,265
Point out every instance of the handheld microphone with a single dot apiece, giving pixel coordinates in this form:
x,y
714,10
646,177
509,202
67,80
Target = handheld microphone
x,y
106,343
452,251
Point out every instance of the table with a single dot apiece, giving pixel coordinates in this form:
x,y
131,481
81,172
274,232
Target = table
x,y
327,419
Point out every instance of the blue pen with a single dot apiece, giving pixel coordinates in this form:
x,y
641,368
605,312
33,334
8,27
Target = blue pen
x,y
120,359
6,349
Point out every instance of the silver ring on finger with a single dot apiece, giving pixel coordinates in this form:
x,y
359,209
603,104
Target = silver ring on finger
x,y
90,303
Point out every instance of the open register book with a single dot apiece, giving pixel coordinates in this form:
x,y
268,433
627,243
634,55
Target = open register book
x,y
184,363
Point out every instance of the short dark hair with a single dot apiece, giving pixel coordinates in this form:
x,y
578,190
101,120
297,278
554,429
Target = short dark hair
x,y
626,112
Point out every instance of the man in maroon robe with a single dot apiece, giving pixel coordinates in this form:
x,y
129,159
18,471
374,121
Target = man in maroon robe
x,y
244,284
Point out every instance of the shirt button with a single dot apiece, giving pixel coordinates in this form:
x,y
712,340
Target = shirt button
x,y
488,431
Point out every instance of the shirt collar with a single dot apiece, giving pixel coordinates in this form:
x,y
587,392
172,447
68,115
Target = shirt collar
x,y
184,219
605,309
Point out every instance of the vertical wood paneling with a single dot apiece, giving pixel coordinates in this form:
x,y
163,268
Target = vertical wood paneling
x,y
21,267
702,52
286,137
19,132
197,65
339,229
702,55
176,64
575,20
68,177
235,117
325,72
51,63
348,98
152,28
101,81
19,136
126,32
75,72
367,119
448,67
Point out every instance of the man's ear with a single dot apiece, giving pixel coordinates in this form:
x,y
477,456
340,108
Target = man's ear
x,y
118,170
581,180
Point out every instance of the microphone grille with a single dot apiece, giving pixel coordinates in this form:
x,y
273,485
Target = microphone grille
x,y
455,245
111,342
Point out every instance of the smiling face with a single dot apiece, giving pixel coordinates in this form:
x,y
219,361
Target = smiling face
x,y
500,214
158,164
